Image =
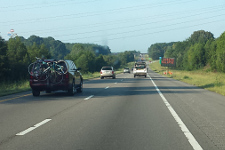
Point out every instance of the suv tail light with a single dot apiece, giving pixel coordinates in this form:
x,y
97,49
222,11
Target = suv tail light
x,y
31,77
112,72
101,72
67,75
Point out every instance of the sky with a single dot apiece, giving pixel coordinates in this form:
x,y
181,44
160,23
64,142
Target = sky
x,y
122,25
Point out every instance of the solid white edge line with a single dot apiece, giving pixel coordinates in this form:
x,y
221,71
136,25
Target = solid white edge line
x,y
183,127
34,127
88,97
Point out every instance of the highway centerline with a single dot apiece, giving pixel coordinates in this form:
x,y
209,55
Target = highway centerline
x,y
34,127
187,133
14,98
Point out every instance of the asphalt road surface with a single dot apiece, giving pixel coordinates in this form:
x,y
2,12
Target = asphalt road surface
x,y
126,113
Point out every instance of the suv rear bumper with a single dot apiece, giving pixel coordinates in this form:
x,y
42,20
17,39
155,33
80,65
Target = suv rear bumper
x,y
140,74
52,87
107,75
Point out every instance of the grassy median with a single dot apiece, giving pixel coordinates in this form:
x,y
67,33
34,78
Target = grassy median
x,y
212,81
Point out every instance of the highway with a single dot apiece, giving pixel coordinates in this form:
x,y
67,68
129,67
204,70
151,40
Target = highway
x,y
126,113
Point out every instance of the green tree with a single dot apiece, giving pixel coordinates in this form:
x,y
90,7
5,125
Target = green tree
x,y
157,50
77,48
112,60
210,53
220,53
39,51
82,63
18,59
177,51
126,57
196,56
86,61
56,48
100,62
200,36
194,52
3,60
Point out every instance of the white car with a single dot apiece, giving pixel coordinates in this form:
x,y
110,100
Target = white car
x,y
107,71
140,69
126,70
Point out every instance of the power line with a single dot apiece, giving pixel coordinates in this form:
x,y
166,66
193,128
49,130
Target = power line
x,y
122,37
33,6
89,14
125,27
161,15
169,29
218,8
145,23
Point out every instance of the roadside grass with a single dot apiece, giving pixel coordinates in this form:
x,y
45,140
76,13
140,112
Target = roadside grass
x,y
202,78
7,88
89,75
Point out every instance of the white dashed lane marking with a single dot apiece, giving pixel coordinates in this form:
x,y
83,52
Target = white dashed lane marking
x,y
34,127
89,97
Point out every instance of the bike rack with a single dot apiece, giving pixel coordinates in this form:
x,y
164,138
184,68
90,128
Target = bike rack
x,y
51,71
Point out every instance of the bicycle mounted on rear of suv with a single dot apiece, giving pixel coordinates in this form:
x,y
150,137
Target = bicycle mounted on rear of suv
x,y
51,75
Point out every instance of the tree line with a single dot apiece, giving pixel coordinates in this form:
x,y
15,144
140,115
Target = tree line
x,y
17,53
199,50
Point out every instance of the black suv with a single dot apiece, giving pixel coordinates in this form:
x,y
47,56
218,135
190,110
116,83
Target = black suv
x,y
51,75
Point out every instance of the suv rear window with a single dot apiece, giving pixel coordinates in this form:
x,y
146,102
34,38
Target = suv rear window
x,y
108,68
141,67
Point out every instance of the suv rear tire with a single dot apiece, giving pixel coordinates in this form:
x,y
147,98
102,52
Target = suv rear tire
x,y
80,88
71,90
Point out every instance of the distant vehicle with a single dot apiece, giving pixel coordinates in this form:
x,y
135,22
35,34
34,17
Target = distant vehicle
x,y
107,71
138,63
126,70
140,69
51,75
